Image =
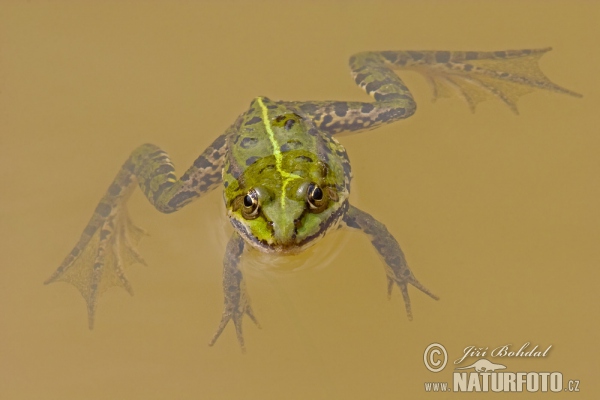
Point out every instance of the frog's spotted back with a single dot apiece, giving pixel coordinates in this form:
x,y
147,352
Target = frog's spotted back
x,y
286,178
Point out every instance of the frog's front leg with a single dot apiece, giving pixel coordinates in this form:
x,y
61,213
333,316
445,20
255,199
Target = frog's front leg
x,y
396,268
107,244
237,302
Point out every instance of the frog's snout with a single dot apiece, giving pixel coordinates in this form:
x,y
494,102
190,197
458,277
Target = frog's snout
x,y
284,232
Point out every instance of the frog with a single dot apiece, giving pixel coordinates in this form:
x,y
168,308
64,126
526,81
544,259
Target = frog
x,y
286,177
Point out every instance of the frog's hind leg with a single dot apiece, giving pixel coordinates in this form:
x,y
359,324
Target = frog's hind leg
x,y
477,75
397,271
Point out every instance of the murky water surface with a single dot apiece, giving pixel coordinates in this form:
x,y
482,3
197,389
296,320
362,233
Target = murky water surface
x,y
497,213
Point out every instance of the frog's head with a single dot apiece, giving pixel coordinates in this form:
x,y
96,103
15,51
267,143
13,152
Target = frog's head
x,y
285,212
283,191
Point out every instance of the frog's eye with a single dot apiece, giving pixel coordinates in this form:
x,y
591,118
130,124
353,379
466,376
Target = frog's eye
x,y
251,206
317,198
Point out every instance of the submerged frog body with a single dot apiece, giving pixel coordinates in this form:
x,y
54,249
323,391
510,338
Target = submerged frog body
x,y
285,176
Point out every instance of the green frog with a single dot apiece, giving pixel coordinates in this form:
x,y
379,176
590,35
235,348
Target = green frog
x,y
285,177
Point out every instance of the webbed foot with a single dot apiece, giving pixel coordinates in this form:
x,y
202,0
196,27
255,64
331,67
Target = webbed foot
x,y
98,261
478,75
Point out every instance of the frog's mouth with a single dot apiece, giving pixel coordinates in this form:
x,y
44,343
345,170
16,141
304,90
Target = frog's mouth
x,y
294,247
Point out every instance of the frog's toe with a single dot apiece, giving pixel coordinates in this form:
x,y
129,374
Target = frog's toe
x,y
237,317
224,320
403,286
130,235
250,313
237,322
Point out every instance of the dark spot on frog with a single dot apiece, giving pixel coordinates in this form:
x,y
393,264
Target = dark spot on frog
x,y
304,158
202,162
288,124
416,55
164,169
442,56
367,108
340,108
252,160
308,108
114,189
219,142
359,78
471,55
268,167
376,85
180,198
391,56
253,121
326,119
500,54
103,209
290,145
248,142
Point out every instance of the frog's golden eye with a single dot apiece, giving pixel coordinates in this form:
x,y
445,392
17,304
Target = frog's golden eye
x,y
251,206
317,198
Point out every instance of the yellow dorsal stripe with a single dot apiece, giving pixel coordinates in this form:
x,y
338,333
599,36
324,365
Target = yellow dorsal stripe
x,y
269,129
287,177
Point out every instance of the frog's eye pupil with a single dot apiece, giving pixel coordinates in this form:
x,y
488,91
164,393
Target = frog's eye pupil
x,y
316,198
317,193
248,201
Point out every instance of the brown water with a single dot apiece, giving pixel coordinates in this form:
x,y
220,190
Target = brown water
x,y
497,214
